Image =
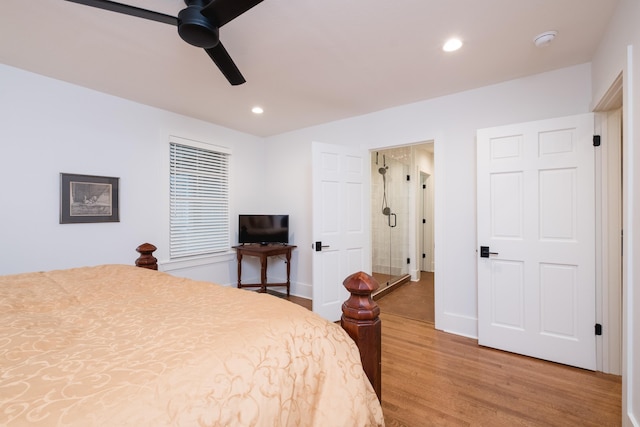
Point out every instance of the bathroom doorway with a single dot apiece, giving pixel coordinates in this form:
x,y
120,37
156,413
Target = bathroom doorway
x,y
401,214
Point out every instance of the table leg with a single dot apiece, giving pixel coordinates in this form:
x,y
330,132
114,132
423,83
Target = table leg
x,y
239,257
288,270
263,273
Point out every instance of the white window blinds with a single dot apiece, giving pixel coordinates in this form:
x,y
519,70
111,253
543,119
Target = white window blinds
x,y
199,180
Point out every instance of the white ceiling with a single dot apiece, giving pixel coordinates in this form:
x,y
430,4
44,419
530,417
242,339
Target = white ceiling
x,y
306,62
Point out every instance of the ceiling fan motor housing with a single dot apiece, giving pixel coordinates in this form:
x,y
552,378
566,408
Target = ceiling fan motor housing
x,y
196,29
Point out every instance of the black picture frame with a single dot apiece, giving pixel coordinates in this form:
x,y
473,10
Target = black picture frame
x,y
88,198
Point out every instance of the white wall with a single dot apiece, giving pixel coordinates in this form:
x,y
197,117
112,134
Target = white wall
x,y
48,127
451,122
288,174
619,52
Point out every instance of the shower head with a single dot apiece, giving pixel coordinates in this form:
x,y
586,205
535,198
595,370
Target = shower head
x,y
382,171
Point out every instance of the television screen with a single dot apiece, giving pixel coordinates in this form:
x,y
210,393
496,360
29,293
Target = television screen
x,y
263,229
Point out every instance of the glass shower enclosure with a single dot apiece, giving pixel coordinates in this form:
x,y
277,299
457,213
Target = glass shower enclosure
x,y
390,204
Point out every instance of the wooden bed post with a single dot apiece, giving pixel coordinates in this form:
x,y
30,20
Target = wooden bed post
x,y
146,259
360,318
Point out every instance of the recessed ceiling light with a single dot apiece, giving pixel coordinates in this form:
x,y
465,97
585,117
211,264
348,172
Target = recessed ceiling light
x,y
452,45
257,110
545,38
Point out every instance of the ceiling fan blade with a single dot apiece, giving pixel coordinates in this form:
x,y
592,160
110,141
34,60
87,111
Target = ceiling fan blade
x,y
221,57
129,10
223,11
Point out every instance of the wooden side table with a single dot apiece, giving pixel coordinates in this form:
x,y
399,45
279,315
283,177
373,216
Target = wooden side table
x,y
263,252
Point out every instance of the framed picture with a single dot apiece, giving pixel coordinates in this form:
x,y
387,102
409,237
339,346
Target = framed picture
x,y
87,198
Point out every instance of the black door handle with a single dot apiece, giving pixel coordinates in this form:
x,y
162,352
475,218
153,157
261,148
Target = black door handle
x,y
319,246
484,252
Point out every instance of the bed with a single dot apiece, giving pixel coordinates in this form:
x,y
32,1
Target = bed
x,y
117,345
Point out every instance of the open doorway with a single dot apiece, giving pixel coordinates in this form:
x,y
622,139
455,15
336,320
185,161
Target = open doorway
x,y
402,209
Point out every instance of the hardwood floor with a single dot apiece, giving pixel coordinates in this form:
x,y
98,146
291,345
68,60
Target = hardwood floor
x,y
304,302
432,378
412,299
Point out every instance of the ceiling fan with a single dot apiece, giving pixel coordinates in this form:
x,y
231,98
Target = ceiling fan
x,y
198,25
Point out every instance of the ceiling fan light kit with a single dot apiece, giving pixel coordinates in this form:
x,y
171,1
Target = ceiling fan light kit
x,y
198,24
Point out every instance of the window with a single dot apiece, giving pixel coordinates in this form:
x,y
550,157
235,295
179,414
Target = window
x,y
199,199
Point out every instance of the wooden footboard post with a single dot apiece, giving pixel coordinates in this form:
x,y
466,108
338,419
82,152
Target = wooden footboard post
x,y
146,258
360,318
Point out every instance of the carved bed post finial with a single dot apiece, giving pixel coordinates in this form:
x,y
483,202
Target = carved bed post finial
x,y
360,318
146,259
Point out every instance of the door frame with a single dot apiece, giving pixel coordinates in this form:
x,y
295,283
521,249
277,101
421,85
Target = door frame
x,y
465,323
609,298
609,243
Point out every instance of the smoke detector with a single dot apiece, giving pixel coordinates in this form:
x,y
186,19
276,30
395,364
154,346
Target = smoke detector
x,y
545,38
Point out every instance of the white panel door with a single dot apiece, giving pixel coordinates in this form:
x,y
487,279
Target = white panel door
x,y
341,227
536,214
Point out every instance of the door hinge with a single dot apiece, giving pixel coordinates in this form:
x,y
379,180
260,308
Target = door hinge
x,y
424,255
424,221
424,186
408,177
408,260
596,140
598,329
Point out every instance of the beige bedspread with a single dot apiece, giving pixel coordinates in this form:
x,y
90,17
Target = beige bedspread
x,y
125,346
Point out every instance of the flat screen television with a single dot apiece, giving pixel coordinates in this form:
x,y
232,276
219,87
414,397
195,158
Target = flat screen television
x,y
263,229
